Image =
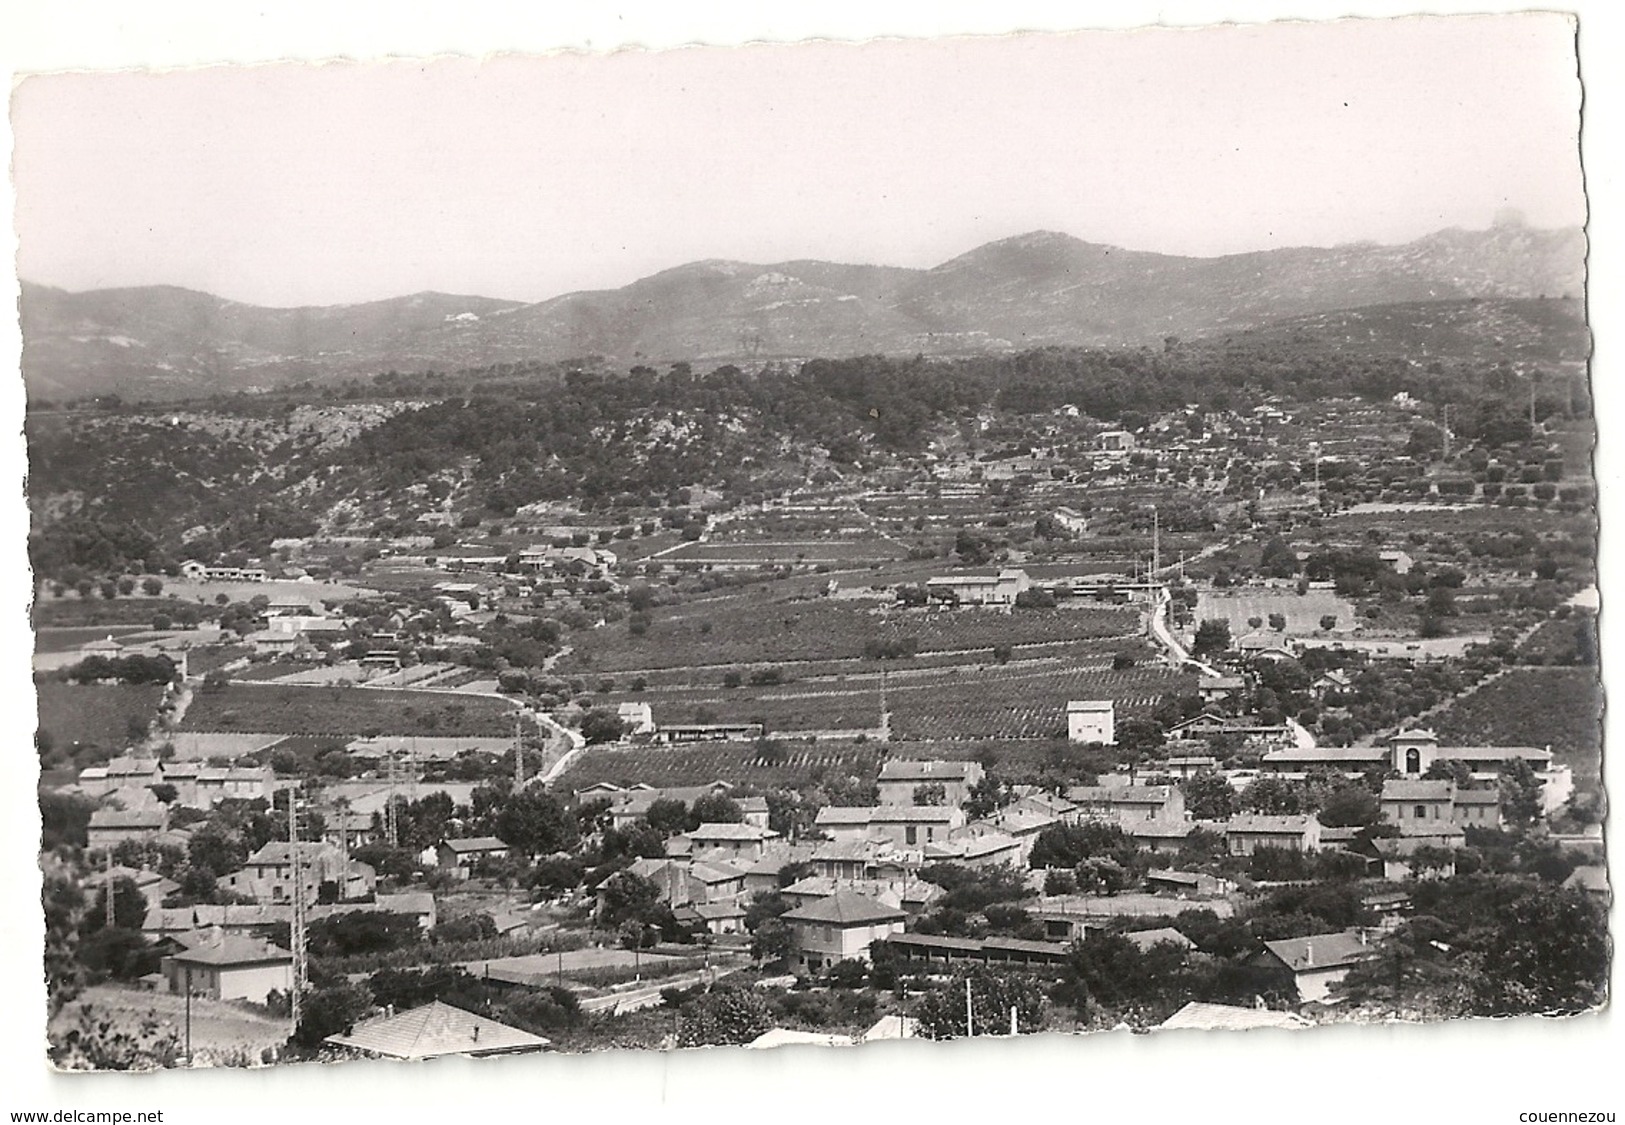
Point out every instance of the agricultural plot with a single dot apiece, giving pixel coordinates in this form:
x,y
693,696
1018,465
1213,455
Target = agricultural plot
x,y
746,630
281,709
68,639
95,721
990,702
1556,707
804,553
1303,612
745,765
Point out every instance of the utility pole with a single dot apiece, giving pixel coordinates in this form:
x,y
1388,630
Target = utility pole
x,y
1156,542
518,755
108,893
970,1012
297,929
1447,431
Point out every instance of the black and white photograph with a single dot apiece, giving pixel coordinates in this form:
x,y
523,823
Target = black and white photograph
x,y
1015,537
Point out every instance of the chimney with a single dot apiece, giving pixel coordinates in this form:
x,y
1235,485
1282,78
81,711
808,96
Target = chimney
x,y
476,1032
1308,953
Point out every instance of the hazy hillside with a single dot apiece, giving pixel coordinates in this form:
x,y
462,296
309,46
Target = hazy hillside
x,y
1040,288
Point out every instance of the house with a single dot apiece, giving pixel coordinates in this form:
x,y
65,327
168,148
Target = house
x,y
913,896
1217,689
719,918
1244,835
754,810
123,772
901,826
110,827
748,841
1406,802
1091,720
1127,804
715,880
1399,560
1186,884
1159,836
900,779
637,718
1591,879
1315,964
763,874
629,805
839,928
416,904
433,1031
1116,441
1000,588
276,642
1198,1016
207,786
460,857
268,874
980,844
1147,940
1399,856
227,967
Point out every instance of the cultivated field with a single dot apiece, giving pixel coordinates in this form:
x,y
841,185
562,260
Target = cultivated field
x,y
95,717
280,709
223,1032
1556,707
749,630
790,763
1302,611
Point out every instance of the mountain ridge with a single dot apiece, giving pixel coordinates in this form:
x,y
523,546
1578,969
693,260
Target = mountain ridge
x,y
1033,289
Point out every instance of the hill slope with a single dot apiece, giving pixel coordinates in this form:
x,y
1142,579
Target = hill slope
x,y
1040,288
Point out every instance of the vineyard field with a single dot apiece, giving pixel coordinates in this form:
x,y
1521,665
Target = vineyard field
x,y
277,709
746,631
1556,707
738,764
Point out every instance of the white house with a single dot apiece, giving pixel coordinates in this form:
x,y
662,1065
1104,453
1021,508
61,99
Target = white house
x,y
1091,720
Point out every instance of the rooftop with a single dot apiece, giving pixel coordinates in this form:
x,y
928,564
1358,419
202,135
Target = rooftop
x,y
1225,1017
1321,951
437,1029
1258,823
845,908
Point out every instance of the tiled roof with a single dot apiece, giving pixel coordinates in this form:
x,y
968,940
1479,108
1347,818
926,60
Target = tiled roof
x,y
731,832
911,770
437,1029
845,908
1198,1016
1478,796
475,844
234,951
1268,824
1145,939
1321,951
1401,789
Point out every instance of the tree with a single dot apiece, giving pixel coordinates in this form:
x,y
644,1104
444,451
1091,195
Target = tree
x,y
536,823
1209,796
627,897
1278,560
725,1016
1328,622
771,941
329,1011
944,1014
1212,637
1350,806
601,726
668,816
931,794
715,808
152,587
1278,622
1273,796
1521,802
1548,954
1138,740
973,549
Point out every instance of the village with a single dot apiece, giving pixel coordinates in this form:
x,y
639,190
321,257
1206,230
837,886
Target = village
x,y
1215,744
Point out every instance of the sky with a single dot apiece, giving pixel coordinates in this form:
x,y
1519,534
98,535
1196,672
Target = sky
x,y
525,177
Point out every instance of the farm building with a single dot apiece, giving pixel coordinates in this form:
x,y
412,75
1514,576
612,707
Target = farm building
x,y
983,588
900,826
461,856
